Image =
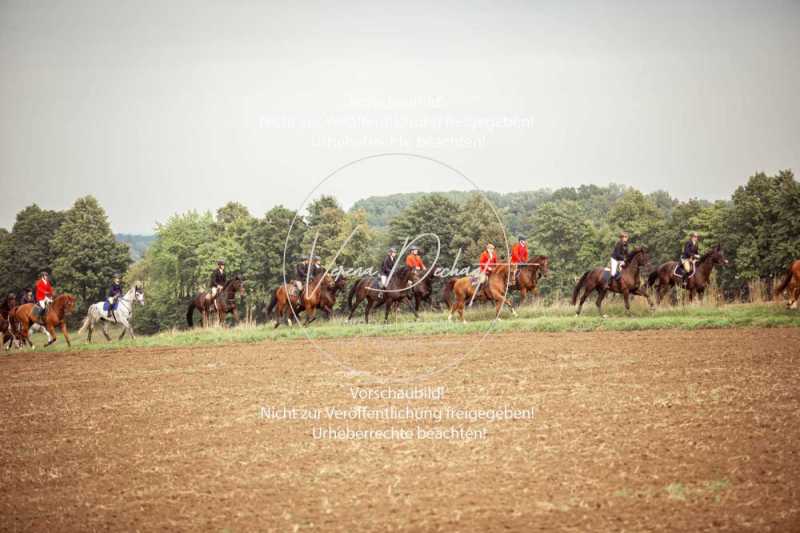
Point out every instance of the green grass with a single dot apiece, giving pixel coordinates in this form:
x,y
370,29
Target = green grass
x,y
532,318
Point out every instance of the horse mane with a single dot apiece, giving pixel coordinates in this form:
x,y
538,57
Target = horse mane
x,y
709,253
633,253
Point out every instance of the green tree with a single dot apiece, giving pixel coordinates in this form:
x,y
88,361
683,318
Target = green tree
x,y
431,213
86,253
27,249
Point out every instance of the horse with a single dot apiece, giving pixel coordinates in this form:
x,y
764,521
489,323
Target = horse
x,y
223,303
529,274
6,332
665,277
423,291
792,281
22,319
627,284
495,288
328,301
121,315
319,292
395,292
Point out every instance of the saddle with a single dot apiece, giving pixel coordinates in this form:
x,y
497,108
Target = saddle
x,y
679,268
112,307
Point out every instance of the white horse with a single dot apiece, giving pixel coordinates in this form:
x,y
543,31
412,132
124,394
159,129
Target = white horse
x,y
121,314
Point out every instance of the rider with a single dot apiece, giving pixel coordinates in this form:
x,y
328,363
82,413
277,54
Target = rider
x,y
217,279
301,271
26,296
691,253
114,293
387,266
519,254
413,259
618,255
44,292
487,263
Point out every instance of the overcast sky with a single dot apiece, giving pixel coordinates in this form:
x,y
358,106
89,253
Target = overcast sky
x,y
161,107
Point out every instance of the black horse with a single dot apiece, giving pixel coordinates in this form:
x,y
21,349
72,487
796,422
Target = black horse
x,y
368,288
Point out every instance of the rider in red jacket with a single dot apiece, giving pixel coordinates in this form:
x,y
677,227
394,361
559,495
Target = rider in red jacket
x,y
519,252
487,262
44,291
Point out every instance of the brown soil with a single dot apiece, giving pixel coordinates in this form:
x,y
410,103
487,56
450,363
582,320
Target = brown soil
x,y
672,430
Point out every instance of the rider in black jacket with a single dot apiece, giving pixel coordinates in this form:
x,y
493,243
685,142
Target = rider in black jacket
x,y
387,266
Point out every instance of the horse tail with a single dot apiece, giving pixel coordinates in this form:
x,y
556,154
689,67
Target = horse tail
x,y
652,278
448,290
785,283
85,321
189,313
579,286
272,303
352,293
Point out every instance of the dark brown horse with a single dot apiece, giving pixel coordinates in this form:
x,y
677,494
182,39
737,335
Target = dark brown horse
x,y
528,276
495,289
664,277
22,319
422,291
367,288
627,284
791,280
6,332
223,303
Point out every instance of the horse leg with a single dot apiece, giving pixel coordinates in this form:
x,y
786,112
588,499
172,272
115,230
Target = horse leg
x,y
366,310
626,297
65,332
89,329
586,292
601,293
642,292
51,335
104,326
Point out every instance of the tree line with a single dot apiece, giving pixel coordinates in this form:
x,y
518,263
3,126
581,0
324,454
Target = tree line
x,y
576,227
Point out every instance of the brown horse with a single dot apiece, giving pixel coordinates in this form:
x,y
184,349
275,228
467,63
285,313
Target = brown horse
x,y
792,281
223,303
495,289
627,284
528,276
329,294
367,288
664,277
320,292
22,318
6,332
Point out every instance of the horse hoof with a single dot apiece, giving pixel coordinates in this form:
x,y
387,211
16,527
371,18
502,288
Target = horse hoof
x,y
464,322
605,316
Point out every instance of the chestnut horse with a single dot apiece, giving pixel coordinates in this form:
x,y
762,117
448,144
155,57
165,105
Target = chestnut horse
x,y
792,281
665,277
627,284
22,318
495,288
319,292
223,303
529,274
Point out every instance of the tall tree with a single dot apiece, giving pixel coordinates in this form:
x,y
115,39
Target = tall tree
x,y
86,253
28,250
431,213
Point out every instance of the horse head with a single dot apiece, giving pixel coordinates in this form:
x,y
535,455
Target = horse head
x,y
638,256
340,282
717,255
138,293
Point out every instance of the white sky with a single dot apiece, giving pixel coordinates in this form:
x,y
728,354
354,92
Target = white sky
x,y
161,107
